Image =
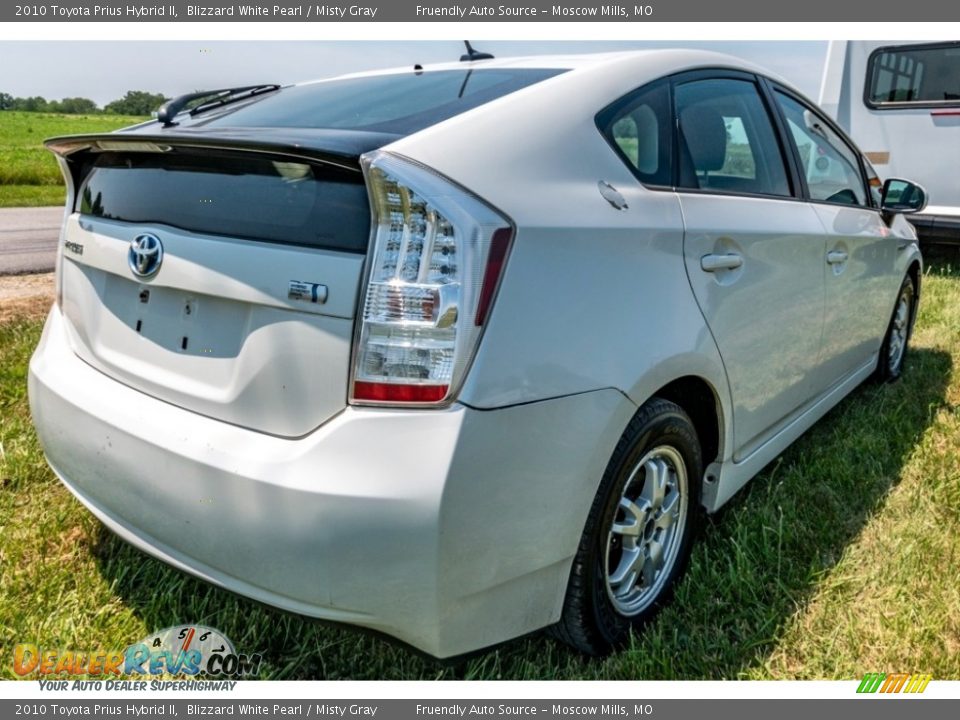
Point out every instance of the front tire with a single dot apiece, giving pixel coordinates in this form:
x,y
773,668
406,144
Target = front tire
x,y
639,532
893,352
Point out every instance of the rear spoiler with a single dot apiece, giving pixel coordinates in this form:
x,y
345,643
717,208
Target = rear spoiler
x,y
341,148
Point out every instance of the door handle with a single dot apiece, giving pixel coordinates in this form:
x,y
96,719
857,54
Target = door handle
x,y
712,263
835,257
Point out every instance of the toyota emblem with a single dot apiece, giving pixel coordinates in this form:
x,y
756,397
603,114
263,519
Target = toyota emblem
x,y
146,254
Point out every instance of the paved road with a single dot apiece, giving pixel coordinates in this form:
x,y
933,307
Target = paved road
x,y
28,239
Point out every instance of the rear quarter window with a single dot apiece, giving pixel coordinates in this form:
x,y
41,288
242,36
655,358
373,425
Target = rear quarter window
x,y
638,128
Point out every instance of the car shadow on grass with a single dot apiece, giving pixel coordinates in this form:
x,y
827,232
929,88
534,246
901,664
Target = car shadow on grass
x,y
755,563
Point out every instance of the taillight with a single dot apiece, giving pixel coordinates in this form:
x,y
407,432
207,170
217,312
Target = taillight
x,y
436,259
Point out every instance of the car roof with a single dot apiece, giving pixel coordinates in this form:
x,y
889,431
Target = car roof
x,y
594,79
633,60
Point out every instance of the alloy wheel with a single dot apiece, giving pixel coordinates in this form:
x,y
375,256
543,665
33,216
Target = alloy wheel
x,y
645,536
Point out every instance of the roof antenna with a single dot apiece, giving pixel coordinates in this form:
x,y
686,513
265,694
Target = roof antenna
x,y
474,54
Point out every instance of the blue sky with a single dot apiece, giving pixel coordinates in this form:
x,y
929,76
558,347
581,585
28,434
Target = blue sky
x,y
103,71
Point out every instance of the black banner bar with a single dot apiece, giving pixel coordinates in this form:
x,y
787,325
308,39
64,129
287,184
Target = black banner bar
x,y
874,708
643,11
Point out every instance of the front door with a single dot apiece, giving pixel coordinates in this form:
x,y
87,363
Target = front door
x,y
861,248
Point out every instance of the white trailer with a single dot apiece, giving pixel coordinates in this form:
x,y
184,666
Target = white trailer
x,y
900,102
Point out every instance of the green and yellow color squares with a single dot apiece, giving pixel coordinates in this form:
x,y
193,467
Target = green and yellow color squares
x,y
893,683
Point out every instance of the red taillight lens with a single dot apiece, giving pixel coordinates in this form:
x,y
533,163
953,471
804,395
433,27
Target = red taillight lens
x,y
398,392
499,249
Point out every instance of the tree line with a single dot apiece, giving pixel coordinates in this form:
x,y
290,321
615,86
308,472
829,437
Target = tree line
x,y
135,102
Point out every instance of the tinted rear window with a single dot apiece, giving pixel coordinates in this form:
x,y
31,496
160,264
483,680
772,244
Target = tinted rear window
x,y
399,103
235,195
915,75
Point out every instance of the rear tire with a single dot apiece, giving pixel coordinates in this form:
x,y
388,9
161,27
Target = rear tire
x,y
638,535
893,352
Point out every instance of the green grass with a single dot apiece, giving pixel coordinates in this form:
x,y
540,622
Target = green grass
x,y
31,195
28,171
840,558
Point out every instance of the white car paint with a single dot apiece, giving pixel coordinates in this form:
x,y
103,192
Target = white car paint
x,y
454,528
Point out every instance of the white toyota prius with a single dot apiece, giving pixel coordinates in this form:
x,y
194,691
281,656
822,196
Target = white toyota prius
x,y
461,352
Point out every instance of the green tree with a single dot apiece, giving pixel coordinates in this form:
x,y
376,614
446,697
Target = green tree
x,y
6,101
136,102
74,106
31,104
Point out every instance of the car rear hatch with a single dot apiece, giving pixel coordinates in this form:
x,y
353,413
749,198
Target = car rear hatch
x,y
213,259
218,273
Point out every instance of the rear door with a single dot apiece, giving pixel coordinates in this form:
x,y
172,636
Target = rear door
x,y
754,251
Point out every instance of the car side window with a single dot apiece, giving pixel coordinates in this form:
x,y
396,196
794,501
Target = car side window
x,y
727,140
828,163
639,128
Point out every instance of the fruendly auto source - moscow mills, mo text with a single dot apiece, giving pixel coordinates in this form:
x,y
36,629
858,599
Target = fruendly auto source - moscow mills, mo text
x,y
541,11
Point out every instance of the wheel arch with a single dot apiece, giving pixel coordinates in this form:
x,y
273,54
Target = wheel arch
x,y
700,400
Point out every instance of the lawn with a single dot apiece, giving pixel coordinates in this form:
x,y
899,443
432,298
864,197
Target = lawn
x,y
29,175
840,558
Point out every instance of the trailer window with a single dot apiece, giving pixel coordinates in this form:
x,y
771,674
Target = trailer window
x,y
914,75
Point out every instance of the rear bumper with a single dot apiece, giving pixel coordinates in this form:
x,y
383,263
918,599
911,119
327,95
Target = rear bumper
x,y
937,229
451,530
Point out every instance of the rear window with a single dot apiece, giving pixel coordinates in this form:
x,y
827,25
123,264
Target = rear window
x,y
914,75
238,195
400,103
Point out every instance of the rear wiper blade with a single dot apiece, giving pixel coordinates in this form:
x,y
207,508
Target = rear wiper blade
x,y
171,108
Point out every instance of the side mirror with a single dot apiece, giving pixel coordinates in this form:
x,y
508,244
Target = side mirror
x,y
902,196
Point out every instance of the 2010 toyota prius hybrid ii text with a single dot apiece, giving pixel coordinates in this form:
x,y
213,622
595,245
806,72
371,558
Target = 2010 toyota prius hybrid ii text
x,y
461,352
